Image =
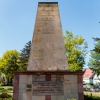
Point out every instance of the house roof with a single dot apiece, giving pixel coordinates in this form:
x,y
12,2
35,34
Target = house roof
x,y
88,73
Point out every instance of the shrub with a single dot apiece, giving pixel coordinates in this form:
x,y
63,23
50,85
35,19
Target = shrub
x,y
5,95
90,97
3,90
9,88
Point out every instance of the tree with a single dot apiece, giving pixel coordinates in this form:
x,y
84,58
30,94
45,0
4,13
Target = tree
x,y
9,63
75,50
94,61
23,59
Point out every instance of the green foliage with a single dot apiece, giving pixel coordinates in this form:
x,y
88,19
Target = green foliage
x,y
96,84
9,88
3,90
90,97
76,51
23,59
94,61
12,61
9,63
5,95
6,90
2,80
71,99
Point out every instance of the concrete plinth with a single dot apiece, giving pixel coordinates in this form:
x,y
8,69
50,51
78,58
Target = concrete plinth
x,y
48,85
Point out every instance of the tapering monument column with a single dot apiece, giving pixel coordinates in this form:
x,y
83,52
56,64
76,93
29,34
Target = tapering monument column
x,y
48,76
48,51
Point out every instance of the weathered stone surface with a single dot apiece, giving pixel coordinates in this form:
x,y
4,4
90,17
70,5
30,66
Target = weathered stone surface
x,y
70,79
38,97
57,23
37,30
39,23
57,77
55,8
57,98
23,79
38,39
30,80
75,96
38,78
58,30
48,97
56,18
80,96
80,88
44,18
54,13
22,87
15,96
47,50
27,96
41,12
67,89
16,87
40,8
48,8
80,79
48,88
16,83
74,88
72,97
68,96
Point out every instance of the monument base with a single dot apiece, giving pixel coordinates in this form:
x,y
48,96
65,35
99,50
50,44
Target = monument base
x,y
48,85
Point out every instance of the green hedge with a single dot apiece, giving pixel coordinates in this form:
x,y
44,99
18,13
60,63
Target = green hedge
x,y
5,96
90,97
6,99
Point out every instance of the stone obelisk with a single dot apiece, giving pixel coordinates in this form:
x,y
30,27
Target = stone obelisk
x,y
48,76
48,51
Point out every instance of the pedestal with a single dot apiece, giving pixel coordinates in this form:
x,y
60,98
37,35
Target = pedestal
x,y
48,85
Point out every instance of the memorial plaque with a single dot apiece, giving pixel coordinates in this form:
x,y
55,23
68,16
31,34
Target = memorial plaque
x,y
47,87
28,87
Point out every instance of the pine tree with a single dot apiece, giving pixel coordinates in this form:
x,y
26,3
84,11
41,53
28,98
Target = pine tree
x,y
94,61
24,56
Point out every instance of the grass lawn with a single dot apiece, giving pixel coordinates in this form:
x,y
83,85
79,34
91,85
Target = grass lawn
x,y
6,87
93,93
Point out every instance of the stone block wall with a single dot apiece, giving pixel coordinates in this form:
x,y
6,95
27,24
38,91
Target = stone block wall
x,y
29,86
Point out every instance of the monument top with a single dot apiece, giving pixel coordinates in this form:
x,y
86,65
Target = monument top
x,y
47,50
47,2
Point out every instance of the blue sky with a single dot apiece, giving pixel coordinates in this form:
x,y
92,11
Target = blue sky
x,y
17,18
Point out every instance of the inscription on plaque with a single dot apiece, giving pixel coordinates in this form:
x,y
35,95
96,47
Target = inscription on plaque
x,y
28,87
47,87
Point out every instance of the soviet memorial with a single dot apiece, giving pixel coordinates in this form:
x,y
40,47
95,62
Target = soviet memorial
x,y
48,76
